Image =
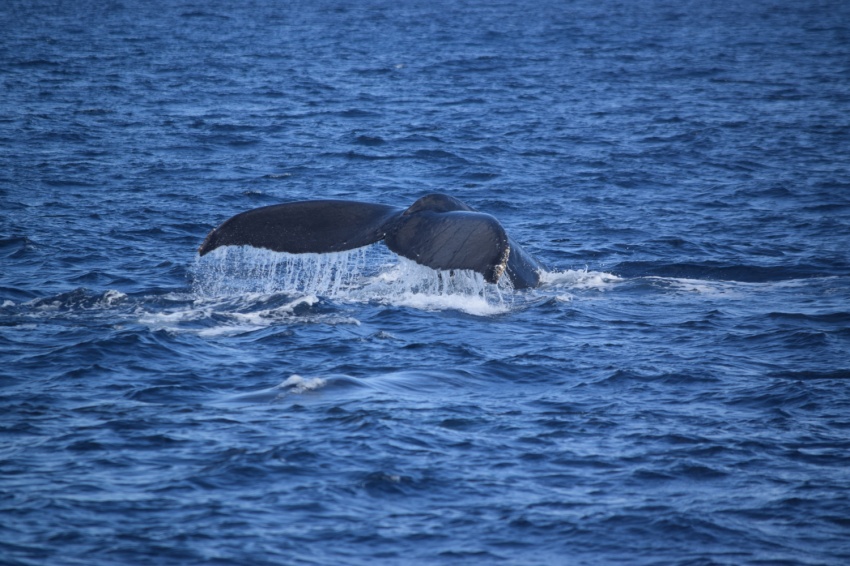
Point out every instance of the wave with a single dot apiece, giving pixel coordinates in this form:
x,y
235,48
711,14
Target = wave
x,y
579,279
292,385
393,384
78,299
232,316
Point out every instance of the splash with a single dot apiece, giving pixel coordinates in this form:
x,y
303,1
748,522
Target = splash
x,y
368,274
412,285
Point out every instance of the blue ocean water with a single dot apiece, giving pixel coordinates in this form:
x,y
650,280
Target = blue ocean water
x,y
677,392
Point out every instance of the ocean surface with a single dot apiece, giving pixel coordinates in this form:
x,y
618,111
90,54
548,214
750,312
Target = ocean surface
x,y
676,392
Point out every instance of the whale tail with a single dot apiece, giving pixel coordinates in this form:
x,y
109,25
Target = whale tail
x,y
437,231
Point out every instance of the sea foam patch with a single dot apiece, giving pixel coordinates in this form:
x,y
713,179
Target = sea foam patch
x,y
580,279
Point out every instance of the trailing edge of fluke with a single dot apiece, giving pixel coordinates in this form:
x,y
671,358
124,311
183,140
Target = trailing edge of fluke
x,y
437,231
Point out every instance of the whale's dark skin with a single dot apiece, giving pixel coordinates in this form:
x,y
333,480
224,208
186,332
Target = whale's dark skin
x,y
438,231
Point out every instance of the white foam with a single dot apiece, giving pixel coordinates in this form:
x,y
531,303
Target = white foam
x,y
580,279
78,299
258,317
292,385
112,297
412,285
297,385
231,316
172,319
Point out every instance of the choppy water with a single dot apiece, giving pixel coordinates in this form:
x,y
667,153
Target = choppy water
x,y
677,392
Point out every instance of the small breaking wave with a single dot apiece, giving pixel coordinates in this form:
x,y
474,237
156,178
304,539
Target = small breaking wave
x,y
292,385
394,384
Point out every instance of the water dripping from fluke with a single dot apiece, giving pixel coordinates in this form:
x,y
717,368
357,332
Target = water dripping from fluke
x,y
367,274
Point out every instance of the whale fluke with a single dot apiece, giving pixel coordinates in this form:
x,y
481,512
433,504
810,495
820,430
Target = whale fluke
x,y
437,231
315,226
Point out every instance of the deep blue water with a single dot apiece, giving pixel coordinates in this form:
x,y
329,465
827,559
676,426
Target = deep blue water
x,y
678,392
